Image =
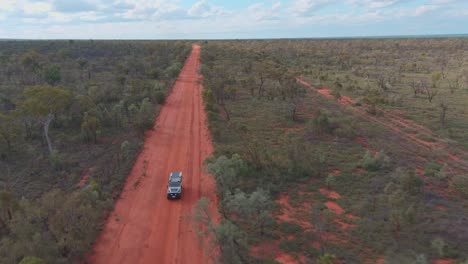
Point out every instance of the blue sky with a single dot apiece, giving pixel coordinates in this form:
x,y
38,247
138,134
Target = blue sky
x,y
212,19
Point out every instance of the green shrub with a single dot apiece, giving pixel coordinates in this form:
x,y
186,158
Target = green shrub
x,y
144,116
336,93
432,168
290,245
326,259
160,97
57,160
32,260
377,162
460,183
321,123
52,74
290,228
345,131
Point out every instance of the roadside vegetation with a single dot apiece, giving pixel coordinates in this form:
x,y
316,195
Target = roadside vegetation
x,y
72,121
303,177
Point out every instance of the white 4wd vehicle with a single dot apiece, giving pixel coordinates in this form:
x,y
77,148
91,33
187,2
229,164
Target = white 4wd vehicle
x,y
174,186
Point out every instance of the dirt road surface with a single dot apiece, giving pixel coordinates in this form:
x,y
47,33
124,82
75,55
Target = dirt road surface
x,y
145,227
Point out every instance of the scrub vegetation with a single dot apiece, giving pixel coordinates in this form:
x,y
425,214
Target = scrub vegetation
x,y
72,120
359,143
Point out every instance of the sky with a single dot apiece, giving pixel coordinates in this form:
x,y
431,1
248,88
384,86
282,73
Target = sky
x,y
235,19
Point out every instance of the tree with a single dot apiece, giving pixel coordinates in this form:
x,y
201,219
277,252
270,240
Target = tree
x,y
330,180
455,84
321,123
144,116
416,87
44,103
321,219
9,130
90,126
443,111
431,90
226,172
7,206
31,62
82,63
253,210
232,243
202,221
224,242
52,74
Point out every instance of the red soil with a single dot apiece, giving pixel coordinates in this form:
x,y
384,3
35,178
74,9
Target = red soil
x,y
454,157
288,212
336,172
334,207
351,217
405,128
344,226
266,250
359,170
347,100
326,92
286,259
361,140
380,260
441,207
443,261
145,227
316,245
330,194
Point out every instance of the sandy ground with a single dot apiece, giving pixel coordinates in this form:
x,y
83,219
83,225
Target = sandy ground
x,y
145,227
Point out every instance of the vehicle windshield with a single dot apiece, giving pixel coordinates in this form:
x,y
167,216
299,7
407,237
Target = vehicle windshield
x,y
174,184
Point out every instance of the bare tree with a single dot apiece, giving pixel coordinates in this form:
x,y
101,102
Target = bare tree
x,y
443,111
430,90
416,87
454,84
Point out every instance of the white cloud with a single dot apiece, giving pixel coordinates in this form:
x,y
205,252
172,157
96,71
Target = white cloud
x,y
36,8
151,10
376,4
308,7
414,12
7,5
171,19
203,9
259,12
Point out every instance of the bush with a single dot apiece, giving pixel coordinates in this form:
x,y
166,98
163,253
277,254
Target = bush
x,y
290,245
432,168
345,131
326,259
460,183
290,228
52,74
32,260
57,160
160,97
336,93
377,162
144,116
321,124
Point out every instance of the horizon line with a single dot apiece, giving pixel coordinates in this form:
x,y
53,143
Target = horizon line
x,y
427,36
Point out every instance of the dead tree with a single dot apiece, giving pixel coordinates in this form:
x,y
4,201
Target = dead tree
x,y
443,111
430,90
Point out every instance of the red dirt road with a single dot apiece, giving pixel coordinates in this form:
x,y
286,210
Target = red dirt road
x,y
145,227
